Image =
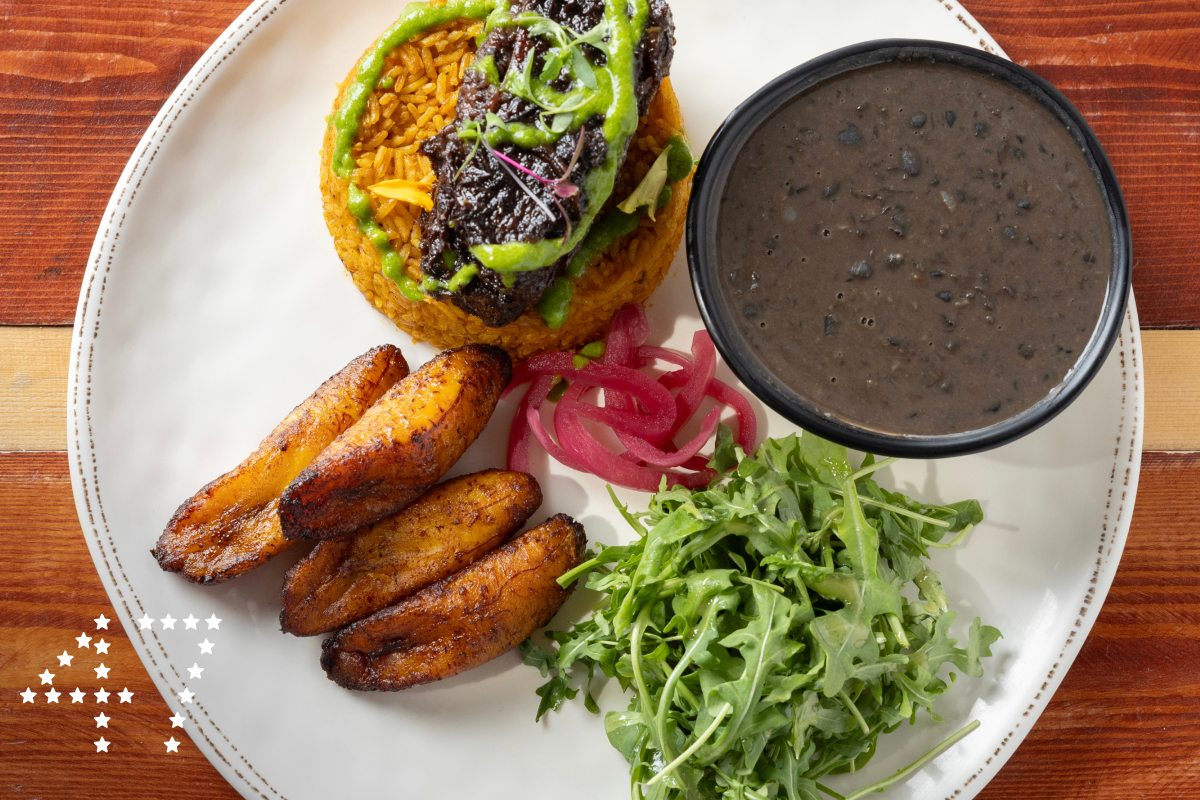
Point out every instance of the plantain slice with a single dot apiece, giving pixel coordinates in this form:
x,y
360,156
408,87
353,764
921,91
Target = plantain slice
x,y
448,527
231,525
463,621
403,445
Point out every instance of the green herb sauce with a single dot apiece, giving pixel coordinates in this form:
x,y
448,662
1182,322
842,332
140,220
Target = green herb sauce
x,y
615,93
613,96
417,17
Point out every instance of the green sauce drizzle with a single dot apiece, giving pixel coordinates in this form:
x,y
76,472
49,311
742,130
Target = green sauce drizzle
x,y
556,303
613,96
393,266
417,17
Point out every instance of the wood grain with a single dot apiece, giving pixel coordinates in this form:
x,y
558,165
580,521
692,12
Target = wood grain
x,y
33,388
79,84
1172,364
81,81
49,594
1125,723
1133,69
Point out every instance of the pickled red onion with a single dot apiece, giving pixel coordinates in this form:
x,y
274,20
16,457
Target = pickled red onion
x,y
640,410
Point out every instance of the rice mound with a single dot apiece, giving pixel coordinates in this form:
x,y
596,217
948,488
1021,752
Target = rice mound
x,y
426,73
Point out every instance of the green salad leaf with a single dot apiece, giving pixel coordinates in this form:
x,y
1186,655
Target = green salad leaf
x,y
769,627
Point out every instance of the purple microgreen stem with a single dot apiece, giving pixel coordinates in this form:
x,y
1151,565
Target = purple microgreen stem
x,y
563,187
566,219
501,158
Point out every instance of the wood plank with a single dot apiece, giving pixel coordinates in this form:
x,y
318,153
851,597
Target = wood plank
x,y
1172,364
1126,720
79,84
81,81
1133,69
50,594
33,389
1125,723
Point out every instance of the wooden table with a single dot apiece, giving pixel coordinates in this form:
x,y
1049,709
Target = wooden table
x,y
80,82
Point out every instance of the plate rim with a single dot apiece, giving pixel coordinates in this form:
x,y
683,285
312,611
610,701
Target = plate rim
x,y
102,547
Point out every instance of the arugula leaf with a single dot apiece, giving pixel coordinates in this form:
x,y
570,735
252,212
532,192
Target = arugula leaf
x,y
553,693
760,626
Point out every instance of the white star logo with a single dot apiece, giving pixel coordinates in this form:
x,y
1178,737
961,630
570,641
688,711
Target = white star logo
x,y
101,671
77,695
176,721
125,695
101,622
102,721
168,622
102,745
186,695
172,745
102,647
47,677
213,622
53,695
102,697
145,623
206,646
190,623
27,695
194,670
83,639
65,659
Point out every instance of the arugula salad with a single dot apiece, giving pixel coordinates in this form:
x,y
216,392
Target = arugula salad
x,y
766,626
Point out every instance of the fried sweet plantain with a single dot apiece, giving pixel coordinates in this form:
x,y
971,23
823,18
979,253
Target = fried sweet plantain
x,y
447,528
232,525
463,621
403,445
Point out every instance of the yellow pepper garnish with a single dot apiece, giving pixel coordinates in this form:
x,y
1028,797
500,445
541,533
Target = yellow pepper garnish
x,y
405,191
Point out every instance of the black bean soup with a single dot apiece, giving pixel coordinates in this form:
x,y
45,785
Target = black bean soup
x,y
915,248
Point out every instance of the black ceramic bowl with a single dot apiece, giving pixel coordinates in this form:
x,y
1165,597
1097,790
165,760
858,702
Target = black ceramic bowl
x,y
703,210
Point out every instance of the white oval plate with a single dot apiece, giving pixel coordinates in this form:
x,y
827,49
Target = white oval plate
x,y
213,303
